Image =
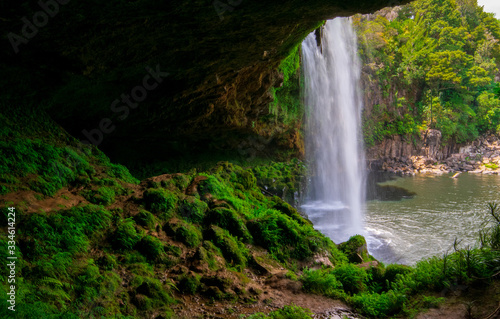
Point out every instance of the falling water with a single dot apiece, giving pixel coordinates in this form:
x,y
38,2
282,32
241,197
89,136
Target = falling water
x,y
333,143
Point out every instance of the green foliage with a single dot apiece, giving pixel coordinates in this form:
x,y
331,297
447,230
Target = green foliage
x,y
287,105
435,66
121,172
287,312
379,305
150,293
354,279
281,179
321,282
69,230
54,167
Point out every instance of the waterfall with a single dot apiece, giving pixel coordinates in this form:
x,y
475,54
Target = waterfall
x,y
333,135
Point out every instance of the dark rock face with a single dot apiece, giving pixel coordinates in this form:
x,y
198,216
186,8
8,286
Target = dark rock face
x,y
159,74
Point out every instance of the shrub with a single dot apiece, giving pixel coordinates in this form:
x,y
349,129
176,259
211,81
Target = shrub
x,y
287,312
321,282
354,279
379,305
394,270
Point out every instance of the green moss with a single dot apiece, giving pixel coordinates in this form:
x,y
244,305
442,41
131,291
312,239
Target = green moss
x,y
107,262
355,249
189,284
184,232
150,246
181,181
125,236
284,237
150,293
145,219
229,220
492,166
158,200
101,196
122,173
67,231
281,179
192,209
233,251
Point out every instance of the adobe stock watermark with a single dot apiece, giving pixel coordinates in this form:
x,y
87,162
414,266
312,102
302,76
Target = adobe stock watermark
x,y
222,7
123,105
40,19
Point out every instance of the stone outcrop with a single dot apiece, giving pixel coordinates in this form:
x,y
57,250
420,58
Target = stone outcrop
x,y
396,156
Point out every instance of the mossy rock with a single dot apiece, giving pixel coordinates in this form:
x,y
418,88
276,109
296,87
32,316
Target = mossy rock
x,y
233,251
184,232
174,250
355,249
150,293
181,181
189,283
288,210
192,209
229,220
246,179
145,219
159,200
151,247
107,262
284,237
125,236
102,196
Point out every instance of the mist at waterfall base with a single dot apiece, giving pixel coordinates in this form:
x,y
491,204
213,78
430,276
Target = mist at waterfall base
x,y
333,137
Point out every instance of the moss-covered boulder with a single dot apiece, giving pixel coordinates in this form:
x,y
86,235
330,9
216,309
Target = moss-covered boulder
x,y
355,249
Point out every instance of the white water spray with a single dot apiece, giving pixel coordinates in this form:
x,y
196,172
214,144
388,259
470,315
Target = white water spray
x,y
333,141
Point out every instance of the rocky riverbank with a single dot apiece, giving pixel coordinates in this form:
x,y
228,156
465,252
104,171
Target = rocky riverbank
x,y
479,157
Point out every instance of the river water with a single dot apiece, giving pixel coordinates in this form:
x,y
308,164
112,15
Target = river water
x,y
404,228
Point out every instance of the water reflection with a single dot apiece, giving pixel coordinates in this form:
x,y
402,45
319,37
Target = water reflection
x,y
410,218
